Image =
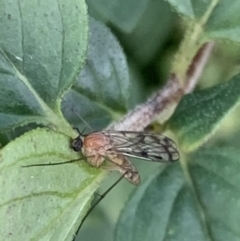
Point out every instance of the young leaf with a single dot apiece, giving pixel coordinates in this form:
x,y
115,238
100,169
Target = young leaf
x,y
199,114
103,85
42,48
44,202
203,206
220,21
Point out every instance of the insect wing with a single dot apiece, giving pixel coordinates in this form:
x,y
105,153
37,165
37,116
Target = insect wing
x,y
142,145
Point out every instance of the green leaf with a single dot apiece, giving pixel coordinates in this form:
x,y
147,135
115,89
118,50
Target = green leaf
x,y
225,22
124,14
219,20
42,48
43,203
157,22
190,9
199,114
102,89
202,205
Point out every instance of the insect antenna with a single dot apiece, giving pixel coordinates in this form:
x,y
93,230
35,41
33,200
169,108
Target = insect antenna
x,y
101,197
83,121
80,133
53,164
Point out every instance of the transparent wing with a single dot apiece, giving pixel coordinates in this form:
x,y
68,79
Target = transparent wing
x,y
142,145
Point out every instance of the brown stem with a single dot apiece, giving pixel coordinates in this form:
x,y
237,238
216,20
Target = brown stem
x,y
163,103
156,105
196,67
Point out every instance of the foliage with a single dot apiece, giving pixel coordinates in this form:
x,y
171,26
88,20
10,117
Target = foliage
x,y
57,62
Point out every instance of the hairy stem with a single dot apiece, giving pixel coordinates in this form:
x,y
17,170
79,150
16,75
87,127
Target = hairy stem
x,y
162,104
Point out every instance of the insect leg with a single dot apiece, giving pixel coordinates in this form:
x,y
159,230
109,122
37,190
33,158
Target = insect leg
x,y
56,163
52,164
96,203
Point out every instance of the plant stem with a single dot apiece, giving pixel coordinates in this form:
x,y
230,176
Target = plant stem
x,y
162,104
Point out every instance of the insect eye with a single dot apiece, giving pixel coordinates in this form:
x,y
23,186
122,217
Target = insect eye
x,y
77,144
144,153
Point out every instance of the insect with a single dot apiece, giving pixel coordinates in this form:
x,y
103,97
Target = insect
x,y
116,146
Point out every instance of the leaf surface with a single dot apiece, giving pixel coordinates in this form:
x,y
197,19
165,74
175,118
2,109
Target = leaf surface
x,y
101,92
202,205
220,20
199,114
124,14
42,48
43,202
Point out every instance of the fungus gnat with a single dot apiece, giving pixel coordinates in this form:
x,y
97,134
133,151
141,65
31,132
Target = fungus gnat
x,y
116,146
